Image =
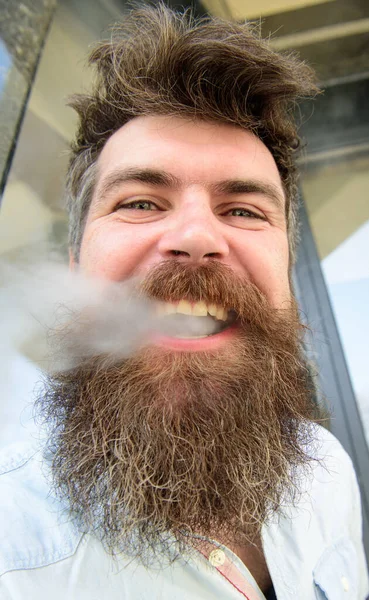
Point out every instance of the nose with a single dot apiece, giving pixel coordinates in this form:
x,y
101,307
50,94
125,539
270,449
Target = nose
x,y
194,233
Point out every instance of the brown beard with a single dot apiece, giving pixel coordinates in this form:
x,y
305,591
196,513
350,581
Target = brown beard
x,y
166,444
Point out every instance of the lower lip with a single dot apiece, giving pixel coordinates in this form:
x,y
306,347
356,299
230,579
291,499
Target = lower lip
x,y
211,342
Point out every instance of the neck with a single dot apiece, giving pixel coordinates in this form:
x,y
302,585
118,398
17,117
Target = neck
x,y
252,555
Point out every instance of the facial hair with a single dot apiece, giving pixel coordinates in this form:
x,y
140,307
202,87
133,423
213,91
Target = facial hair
x,y
165,444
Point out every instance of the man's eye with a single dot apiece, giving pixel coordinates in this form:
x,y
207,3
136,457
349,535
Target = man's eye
x,y
140,205
244,212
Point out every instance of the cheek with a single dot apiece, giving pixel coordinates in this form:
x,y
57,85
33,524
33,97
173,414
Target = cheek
x,y
267,264
109,252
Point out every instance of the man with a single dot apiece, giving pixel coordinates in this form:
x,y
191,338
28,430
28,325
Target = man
x,y
192,468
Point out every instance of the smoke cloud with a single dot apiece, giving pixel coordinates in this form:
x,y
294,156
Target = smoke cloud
x,y
40,298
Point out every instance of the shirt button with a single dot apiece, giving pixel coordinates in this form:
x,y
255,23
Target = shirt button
x,y
217,557
345,583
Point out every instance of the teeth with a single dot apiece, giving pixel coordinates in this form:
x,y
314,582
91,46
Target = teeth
x,y
184,308
169,309
198,309
212,310
163,309
221,314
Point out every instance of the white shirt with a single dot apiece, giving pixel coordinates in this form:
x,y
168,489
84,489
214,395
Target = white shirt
x,y
314,551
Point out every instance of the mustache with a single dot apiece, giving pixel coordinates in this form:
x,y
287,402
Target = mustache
x,y
212,283
216,283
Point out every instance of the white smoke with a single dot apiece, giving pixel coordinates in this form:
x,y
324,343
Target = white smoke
x,y
99,316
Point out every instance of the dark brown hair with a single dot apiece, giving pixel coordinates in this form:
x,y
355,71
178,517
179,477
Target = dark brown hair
x,y
160,62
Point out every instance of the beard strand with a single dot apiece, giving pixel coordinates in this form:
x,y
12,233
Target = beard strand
x,y
166,444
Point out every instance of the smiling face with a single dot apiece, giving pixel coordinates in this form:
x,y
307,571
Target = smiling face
x,y
197,212
170,188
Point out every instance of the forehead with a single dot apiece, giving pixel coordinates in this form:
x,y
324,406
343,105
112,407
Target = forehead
x,y
194,150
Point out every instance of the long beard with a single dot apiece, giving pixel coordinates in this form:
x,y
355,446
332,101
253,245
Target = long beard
x,y
166,444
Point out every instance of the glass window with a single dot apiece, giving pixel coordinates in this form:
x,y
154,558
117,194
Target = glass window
x,y
337,200
33,221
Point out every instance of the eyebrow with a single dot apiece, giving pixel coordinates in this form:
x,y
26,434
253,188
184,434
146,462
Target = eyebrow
x,y
159,178
153,177
250,186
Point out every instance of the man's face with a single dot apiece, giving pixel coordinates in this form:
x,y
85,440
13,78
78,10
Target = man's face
x,y
193,192
201,434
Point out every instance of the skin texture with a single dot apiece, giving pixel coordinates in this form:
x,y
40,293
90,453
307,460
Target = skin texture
x,y
192,221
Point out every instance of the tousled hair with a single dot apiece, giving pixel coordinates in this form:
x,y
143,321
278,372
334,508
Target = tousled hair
x,y
161,62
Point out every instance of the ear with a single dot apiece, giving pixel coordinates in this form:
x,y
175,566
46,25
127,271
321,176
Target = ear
x,y
72,261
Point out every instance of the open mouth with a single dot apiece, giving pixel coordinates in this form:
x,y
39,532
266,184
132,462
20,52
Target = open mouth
x,y
185,320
